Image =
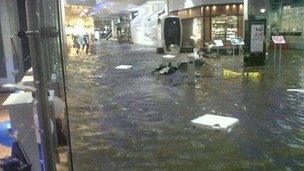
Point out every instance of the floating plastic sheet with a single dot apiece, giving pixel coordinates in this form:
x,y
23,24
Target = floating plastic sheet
x,y
209,121
296,90
256,76
168,56
124,67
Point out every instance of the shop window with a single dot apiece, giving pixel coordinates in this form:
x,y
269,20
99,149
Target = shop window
x,y
288,21
224,27
2,57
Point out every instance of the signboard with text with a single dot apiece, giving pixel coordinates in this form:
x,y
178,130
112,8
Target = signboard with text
x,y
237,41
257,38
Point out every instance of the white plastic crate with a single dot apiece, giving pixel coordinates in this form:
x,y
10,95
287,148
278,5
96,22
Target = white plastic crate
x,y
216,122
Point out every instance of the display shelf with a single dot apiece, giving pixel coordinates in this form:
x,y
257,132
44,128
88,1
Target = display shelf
x,y
224,27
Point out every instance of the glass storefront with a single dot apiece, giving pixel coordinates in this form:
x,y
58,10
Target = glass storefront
x,y
126,113
219,22
287,19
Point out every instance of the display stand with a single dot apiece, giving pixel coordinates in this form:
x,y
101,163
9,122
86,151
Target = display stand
x,y
278,41
20,106
233,51
218,45
237,42
191,70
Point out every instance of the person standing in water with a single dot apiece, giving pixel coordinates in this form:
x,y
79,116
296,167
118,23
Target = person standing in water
x,y
86,42
76,43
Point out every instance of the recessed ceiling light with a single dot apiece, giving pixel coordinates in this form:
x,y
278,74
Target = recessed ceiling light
x,y
263,10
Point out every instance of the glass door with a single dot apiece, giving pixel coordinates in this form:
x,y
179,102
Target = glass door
x,y
44,34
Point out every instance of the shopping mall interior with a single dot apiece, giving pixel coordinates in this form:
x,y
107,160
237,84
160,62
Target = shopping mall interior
x,y
151,85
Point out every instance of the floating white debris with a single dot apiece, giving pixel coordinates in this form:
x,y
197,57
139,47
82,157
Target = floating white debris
x,y
222,123
168,56
164,71
296,90
124,67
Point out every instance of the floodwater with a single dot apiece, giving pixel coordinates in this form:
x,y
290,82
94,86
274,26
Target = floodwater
x,y
133,120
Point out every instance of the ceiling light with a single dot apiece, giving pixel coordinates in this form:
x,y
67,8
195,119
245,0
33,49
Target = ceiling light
x,y
263,10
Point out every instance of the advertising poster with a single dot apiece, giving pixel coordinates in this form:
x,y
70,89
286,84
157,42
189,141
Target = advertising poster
x,y
257,38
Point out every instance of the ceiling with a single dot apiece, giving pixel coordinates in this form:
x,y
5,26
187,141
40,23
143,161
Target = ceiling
x,y
106,8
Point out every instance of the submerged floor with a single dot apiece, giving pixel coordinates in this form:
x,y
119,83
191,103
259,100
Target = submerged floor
x,y
133,120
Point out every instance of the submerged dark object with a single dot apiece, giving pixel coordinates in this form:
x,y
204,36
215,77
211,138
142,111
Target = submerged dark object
x,y
165,69
199,62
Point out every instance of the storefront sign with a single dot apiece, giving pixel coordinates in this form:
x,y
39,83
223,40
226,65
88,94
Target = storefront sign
x,y
257,38
279,40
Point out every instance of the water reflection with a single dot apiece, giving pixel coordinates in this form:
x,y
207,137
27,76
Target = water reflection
x,y
132,120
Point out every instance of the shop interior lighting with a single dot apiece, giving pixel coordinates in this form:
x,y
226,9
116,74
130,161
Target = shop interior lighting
x,y
227,7
263,10
214,7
